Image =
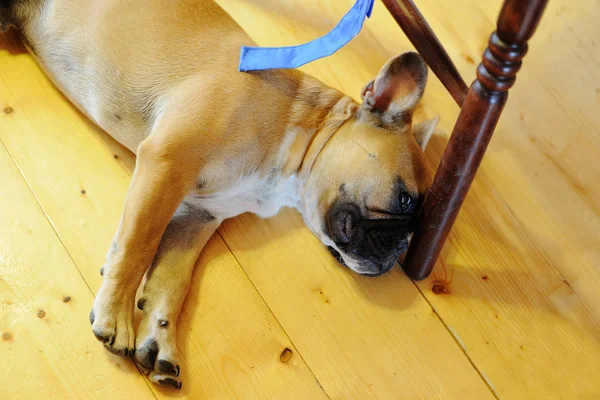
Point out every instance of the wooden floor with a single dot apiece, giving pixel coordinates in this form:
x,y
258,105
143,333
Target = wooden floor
x,y
516,309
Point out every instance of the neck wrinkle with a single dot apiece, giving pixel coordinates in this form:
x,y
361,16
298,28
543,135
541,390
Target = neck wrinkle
x,y
317,113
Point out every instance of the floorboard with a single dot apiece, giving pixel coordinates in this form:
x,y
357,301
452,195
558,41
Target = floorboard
x,y
511,310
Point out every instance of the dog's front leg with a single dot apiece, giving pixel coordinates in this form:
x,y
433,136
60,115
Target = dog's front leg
x,y
158,186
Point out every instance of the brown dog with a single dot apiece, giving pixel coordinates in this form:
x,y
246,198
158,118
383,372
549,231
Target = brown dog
x,y
213,143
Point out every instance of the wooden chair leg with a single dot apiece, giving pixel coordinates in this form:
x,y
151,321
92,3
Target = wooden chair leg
x,y
418,31
473,131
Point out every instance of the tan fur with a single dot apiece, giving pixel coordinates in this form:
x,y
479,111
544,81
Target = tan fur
x,y
161,78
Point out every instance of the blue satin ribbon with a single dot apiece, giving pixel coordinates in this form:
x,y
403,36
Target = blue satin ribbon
x,y
260,58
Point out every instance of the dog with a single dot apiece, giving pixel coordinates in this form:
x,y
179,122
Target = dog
x,y
213,143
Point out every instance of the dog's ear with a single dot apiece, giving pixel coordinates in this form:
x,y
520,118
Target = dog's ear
x,y
424,130
393,95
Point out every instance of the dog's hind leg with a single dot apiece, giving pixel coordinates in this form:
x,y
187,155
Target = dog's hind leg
x,y
166,286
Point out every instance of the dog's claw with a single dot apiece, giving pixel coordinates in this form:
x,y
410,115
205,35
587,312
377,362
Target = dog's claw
x,y
170,382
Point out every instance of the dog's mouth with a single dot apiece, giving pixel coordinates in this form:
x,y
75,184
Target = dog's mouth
x,y
381,270
338,257
336,254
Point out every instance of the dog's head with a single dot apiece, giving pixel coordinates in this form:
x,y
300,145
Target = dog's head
x,y
367,184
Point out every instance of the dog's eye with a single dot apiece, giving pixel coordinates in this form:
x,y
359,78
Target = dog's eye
x,y
405,202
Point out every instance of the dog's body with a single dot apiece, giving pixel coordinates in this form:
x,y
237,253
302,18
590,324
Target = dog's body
x,y
213,143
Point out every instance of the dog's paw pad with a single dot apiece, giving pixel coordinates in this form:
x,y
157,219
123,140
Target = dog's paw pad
x,y
146,355
166,367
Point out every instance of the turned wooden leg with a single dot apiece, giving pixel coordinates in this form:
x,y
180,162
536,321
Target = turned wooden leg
x,y
473,131
420,34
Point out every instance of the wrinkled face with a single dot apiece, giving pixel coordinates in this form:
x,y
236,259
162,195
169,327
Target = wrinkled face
x,y
368,183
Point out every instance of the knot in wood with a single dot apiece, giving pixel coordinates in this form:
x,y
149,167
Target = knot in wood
x,y
501,62
286,355
440,288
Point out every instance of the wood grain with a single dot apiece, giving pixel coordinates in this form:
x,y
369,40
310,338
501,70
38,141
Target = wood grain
x,y
46,349
364,338
232,345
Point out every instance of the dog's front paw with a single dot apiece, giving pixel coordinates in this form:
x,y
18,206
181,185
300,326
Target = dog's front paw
x,y
112,321
156,348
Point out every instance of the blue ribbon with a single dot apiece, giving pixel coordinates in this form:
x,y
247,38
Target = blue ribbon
x,y
260,58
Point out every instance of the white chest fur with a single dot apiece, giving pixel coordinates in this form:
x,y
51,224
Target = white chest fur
x,y
263,196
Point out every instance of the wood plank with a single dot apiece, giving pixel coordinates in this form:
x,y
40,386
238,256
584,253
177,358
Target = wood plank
x,y
231,342
521,324
551,137
522,262
530,223
233,348
364,338
47,350
68,161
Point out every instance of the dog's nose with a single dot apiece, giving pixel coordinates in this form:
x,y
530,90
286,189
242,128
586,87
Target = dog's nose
x,y
341,221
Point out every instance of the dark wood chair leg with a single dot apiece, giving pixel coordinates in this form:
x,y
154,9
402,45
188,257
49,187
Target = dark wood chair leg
x,y
473,131
420,34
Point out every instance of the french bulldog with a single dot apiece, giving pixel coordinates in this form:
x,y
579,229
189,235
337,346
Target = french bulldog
x,y
212,143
